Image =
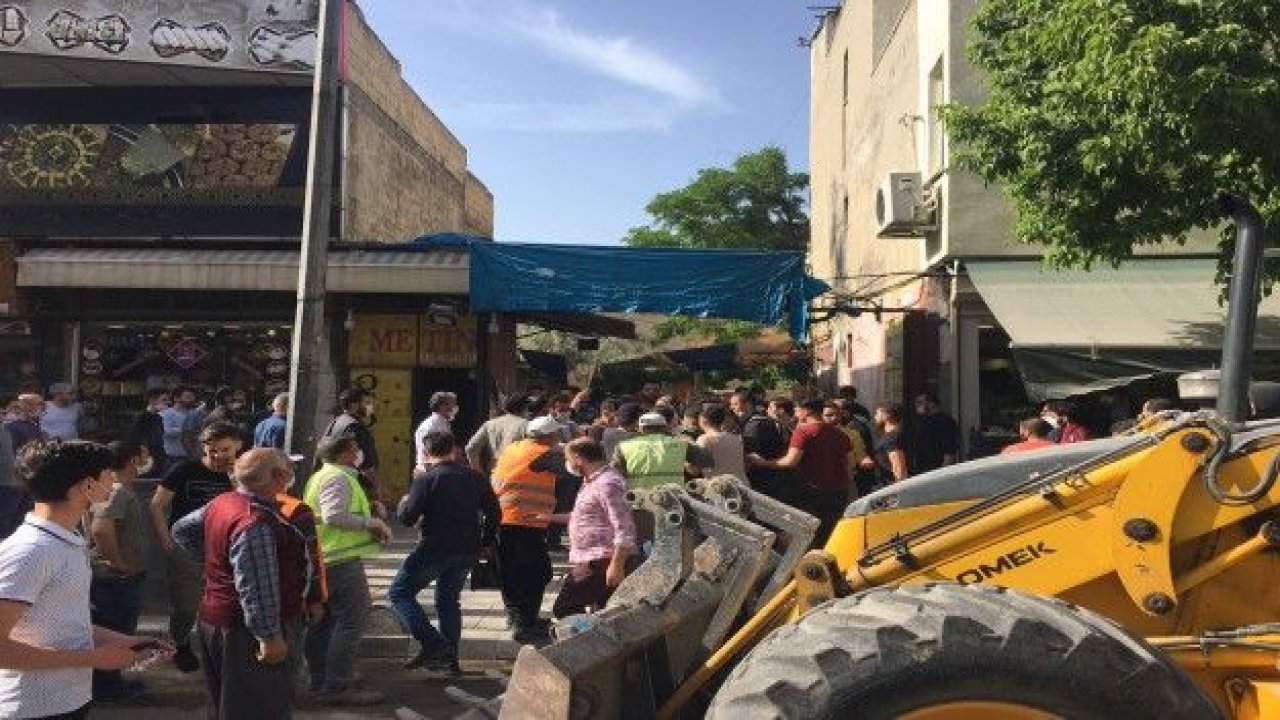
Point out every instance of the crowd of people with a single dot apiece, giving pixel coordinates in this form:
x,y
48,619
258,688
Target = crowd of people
x,y
266,576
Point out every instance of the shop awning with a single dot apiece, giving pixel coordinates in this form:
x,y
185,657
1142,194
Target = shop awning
x,y
1077,332
437,271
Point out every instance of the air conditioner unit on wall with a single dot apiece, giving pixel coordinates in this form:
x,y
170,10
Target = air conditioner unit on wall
x,y
903,208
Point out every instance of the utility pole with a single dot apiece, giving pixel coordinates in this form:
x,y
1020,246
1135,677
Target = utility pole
x,y
310,355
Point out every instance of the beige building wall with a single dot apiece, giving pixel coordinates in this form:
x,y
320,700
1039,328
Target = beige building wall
x,y
865,76
478,207
880,69
405,173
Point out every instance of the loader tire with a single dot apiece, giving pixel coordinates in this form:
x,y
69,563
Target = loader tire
x,y
891,652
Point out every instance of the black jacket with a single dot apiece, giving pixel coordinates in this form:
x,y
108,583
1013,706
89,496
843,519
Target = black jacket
x,y
453,507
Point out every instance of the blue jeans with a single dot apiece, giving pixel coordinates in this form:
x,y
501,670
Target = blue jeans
x,y
449,573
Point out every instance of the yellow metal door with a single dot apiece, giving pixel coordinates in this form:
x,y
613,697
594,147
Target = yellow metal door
x,y
392,425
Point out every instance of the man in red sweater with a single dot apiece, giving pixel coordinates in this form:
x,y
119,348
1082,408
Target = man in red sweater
x,y
255,567
819,454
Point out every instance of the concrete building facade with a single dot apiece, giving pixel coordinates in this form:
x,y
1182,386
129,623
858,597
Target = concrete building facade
x,y
950,309
119,281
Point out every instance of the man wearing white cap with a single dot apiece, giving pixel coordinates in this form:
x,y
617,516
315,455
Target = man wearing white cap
x,y
654,457
524,480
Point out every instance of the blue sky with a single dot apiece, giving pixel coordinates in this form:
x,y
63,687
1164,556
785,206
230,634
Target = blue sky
x,y
576,113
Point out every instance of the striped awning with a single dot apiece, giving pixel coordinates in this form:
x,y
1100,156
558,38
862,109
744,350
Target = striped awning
x,y
438,271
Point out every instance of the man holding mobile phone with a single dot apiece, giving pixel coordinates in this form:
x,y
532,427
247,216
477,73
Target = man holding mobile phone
x,y
48,645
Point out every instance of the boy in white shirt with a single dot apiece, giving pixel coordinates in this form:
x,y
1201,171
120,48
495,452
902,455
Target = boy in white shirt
x,y
48,646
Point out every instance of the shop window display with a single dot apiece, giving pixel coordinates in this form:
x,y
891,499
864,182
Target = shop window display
x,y
119,362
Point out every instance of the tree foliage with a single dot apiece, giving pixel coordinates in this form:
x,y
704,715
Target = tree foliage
x,y
756,204
1112,124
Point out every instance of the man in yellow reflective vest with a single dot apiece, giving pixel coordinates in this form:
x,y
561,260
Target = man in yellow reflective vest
x,y
524,480
348,533
655,458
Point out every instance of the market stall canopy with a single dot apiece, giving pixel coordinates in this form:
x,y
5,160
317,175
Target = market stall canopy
x,y
1076,332
760,286
581,324
550,365
768,348
442,271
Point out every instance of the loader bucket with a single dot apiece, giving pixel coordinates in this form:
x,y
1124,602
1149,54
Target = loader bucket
x,y
720,551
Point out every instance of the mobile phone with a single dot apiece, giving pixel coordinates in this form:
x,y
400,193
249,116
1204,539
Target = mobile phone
x,y
146,645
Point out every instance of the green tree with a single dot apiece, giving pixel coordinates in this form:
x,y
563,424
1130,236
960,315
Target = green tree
x,y
1111,124
756,204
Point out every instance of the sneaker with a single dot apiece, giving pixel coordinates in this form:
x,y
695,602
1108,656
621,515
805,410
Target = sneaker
x,y
186,660
438,659
537,636
446,664
420,660
353,698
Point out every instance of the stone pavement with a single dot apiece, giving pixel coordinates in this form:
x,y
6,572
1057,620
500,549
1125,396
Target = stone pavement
x,y
412,694
486,655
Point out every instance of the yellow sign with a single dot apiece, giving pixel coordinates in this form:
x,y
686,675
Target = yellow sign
x,y
392,426
384,341
447,347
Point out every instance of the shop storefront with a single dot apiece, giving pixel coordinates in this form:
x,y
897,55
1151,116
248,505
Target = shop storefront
x,y
117,363
401,359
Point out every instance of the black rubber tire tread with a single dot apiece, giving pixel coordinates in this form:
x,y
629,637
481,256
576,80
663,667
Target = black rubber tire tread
x,y
886,651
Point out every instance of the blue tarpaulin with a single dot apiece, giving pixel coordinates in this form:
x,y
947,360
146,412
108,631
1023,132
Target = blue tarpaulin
x,y
760,286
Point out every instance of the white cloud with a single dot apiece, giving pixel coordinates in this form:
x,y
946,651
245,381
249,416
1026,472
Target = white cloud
x,y
599,116
654,91
617,57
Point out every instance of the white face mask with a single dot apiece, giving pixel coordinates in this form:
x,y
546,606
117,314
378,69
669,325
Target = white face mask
x,y
359,458
146,466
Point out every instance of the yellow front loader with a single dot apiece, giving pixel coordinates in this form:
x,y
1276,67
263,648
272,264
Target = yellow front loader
x,y
1132,577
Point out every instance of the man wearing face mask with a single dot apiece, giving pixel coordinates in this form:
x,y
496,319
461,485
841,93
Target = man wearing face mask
x,y
148,429
444,408
524,482
187,487
48,644
256,565
348,533
445,503
355,404
602,531
120,534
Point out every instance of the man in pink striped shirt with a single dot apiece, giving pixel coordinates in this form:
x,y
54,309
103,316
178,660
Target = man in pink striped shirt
x,y
602,534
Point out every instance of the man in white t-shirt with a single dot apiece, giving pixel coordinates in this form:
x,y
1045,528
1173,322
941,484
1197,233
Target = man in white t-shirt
x,y
48,646
61,417
444,408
